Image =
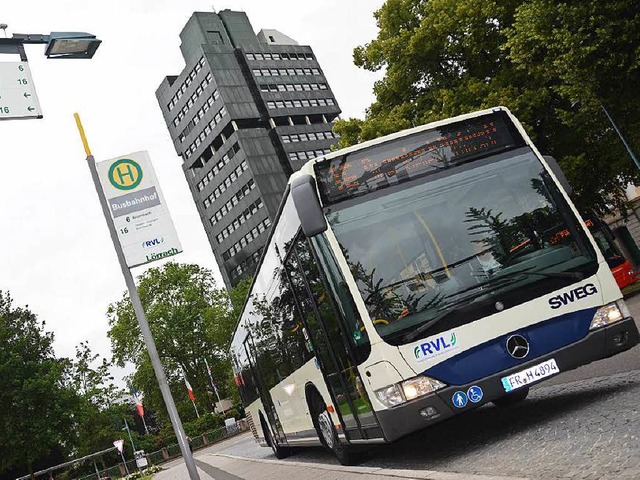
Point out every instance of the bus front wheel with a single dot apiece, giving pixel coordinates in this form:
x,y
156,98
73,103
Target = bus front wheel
x,y
279,451
328,435
512,398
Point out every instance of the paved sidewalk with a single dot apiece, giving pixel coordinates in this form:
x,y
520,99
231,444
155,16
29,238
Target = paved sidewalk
x,y
227,467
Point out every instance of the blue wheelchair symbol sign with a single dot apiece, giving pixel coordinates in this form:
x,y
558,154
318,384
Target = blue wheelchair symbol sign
x,y
459,399
475,394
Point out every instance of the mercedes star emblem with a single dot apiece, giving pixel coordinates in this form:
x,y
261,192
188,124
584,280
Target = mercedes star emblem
x,y
517,346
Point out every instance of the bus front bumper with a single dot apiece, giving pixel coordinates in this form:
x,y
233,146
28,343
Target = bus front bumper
x,y
420,413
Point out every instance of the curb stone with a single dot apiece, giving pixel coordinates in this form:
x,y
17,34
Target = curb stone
x,y
378,471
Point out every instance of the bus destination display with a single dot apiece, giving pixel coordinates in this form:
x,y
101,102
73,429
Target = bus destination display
x,y
415,155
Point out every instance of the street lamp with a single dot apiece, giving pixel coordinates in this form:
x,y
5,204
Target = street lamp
x,y
18,98
71,45
58,44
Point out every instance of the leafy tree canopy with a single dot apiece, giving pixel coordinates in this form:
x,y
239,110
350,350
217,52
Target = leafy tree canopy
x,y
553,64
191,320
37,409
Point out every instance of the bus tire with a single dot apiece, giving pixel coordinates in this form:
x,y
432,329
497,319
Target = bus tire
x,y
511,399
279,451
326,431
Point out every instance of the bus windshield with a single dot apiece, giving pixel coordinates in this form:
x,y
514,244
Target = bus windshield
x,y
458,245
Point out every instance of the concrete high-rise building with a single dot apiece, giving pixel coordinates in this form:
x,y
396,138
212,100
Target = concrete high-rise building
x,y
246,112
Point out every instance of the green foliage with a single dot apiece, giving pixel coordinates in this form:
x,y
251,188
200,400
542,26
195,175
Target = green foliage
x,y
52,408
553,64
206,423
191,320
37,409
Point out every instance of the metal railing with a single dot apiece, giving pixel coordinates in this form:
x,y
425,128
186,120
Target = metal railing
x,y
157,457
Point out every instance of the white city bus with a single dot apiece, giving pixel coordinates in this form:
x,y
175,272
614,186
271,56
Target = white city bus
x,y
415,277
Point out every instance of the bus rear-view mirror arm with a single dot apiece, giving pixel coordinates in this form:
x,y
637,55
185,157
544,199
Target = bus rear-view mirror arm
x,y
305,199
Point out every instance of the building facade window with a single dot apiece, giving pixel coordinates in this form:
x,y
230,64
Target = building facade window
x,y
220,189
217,118
198,116
218,166
304,102
185,84
248,264
226,208
292,87
185,109
254,233
240,220
308,137
283,72
279,56
308,154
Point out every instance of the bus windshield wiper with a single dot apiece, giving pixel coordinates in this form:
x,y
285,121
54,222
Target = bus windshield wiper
x,y
572,275
495,283
480,291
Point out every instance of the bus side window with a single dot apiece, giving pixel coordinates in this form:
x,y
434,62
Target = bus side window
x,y
299,290
295,346
344,300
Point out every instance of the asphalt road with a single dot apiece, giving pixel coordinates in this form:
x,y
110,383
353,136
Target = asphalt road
x,y
581,424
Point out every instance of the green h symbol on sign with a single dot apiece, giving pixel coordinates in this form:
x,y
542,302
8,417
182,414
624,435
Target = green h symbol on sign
x,y
125,174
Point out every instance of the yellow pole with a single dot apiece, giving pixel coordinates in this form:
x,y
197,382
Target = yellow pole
x,y
435,243
82,135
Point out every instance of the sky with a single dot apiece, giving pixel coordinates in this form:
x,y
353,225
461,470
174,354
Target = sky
x,y
56,253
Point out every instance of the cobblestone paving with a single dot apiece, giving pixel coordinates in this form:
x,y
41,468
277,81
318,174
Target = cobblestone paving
x,y
587,429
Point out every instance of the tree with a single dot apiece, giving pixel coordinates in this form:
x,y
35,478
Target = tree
x,y
190,320
551,64
586,55
100,411
37,409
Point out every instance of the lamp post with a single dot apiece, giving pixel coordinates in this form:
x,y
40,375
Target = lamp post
x,y
18,98
624,141
58,44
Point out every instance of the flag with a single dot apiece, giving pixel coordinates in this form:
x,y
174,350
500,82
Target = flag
x,y
137,401
189,389
213,383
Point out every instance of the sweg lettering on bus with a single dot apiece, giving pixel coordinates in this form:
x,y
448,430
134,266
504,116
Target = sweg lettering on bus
x,y
577,293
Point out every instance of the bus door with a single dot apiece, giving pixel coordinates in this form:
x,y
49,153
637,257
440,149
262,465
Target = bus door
x,y
269,407
331,346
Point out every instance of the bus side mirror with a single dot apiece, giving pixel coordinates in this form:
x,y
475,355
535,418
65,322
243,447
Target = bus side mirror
x,y
557,171
305,199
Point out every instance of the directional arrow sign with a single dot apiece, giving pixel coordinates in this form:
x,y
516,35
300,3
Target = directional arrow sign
x,y
18,98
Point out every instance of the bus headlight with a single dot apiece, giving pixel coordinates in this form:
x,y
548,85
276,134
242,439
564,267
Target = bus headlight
x,y
611,313
420,386
408,390
390,396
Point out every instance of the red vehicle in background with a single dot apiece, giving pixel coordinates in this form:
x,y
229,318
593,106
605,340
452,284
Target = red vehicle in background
x,y
622,270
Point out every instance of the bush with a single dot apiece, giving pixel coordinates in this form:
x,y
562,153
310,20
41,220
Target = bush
x,y
206,423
